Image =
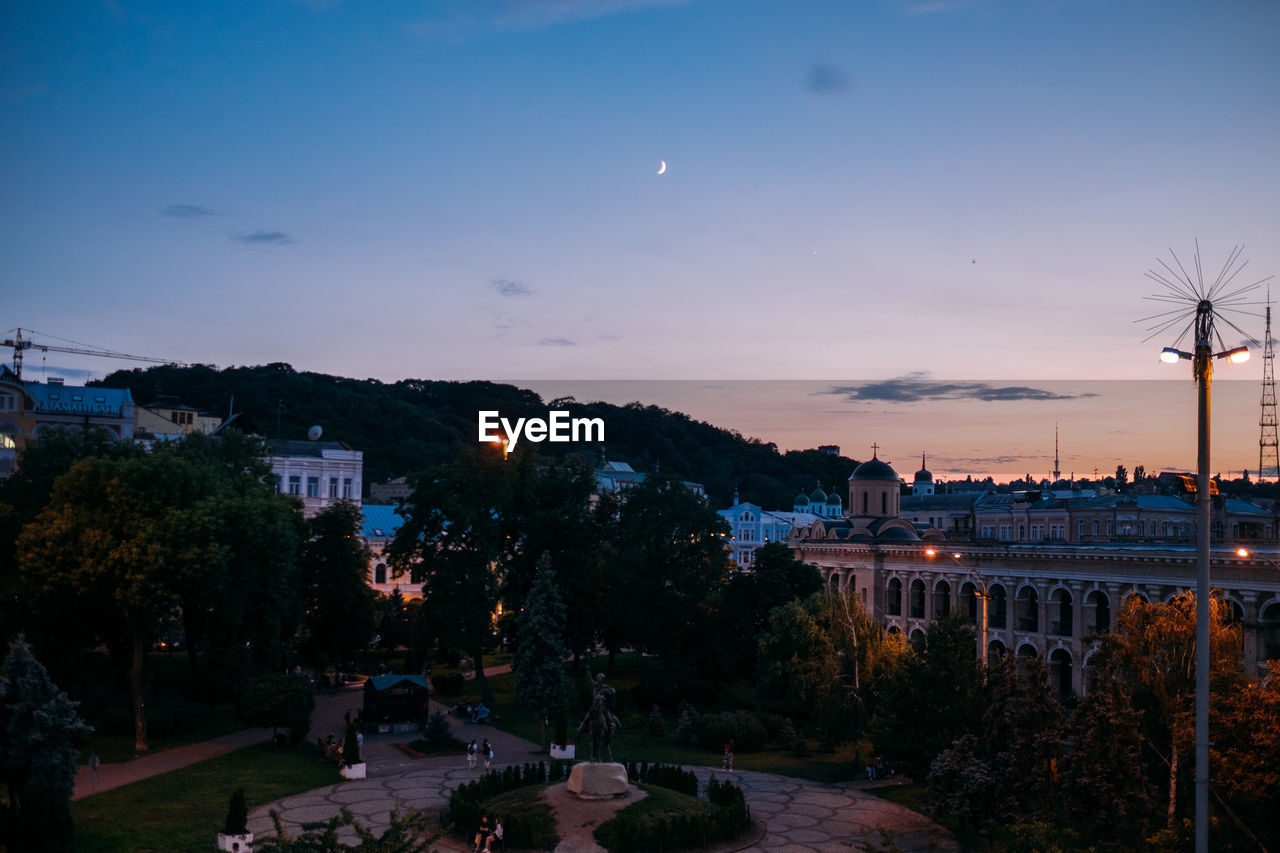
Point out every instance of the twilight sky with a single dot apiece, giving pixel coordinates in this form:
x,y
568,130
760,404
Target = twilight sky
x,y
855,189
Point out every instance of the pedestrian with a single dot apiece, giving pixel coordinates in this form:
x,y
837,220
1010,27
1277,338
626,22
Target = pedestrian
x,y
471,755
728,754
487,751
482,835
496,835
359,738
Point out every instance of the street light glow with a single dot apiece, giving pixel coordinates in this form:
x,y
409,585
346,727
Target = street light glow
x,y
1239,355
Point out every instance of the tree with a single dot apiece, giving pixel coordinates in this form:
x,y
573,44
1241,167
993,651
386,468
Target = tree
x,y
457,537
39,736
796,661
279,702
339,613
669,558
1103,784
540,681
1152,648
777,577
1122,475
931,697
1021,731
1139,473
122,535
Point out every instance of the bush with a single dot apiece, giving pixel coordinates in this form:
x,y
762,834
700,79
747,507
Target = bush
x,y
437,733
469,802
742,727
237,822
448,684
654,725
685,728
723,816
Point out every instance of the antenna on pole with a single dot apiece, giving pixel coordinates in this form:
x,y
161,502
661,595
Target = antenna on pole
x,y
1268,445
1057,474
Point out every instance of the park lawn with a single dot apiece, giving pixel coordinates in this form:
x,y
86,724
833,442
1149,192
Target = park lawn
x,y
632,743
184,810
200,724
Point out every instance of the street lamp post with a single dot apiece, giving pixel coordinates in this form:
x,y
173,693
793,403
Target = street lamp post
x,y
1202,371
983,597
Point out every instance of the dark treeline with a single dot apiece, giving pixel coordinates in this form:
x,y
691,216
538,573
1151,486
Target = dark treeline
x,y
408,426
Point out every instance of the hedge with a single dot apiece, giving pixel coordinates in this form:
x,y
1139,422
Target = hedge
x,y
743,727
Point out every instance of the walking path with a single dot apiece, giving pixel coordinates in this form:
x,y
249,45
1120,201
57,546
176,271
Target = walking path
x,y
799,815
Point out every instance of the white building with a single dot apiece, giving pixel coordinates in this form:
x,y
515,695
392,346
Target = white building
x,y
321,473
751,526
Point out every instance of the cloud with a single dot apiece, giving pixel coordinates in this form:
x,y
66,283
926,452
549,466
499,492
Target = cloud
x,y
917,388
510,288
188,211
826,79
269,238
459,19
557,342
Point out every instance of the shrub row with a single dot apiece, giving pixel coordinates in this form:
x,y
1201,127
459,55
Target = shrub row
x,y
467,802
665,776
724,816
742,727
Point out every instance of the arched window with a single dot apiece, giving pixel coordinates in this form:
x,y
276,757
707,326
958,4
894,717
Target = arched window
x,y
1101,611
1060,672
1028,610
998,608
380,573
917,599
969,595
895,597
942,600
1062,621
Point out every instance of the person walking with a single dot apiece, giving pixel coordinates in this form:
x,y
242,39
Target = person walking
x,y
471,755
728,754
487,751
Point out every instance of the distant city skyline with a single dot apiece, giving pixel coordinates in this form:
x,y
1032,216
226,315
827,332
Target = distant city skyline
x,y
968,190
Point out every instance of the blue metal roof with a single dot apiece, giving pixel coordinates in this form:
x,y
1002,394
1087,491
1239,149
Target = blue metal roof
x,y
380,521
78,400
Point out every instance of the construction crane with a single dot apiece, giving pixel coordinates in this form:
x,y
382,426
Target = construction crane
x,y
21,345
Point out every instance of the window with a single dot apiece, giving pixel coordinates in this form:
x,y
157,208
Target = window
x,y
380,573
279,483
746,534
1006,532
988,532
1080,529
346,488
295,485
1037,532
8,403
333,487
884,503
1111,528
917,599
1095,527
313,487
895,597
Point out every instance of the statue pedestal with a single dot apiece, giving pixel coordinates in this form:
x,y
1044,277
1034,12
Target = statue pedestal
x,y
597,781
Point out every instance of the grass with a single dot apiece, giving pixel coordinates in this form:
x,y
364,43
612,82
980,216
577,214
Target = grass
x,y
632,743
198,723
184,810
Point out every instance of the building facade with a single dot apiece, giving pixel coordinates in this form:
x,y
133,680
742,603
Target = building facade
x,y
320,473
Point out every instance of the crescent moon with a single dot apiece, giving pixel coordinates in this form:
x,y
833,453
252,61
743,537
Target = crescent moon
x,y
662,167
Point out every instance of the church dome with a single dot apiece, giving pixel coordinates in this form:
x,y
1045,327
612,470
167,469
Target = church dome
x,y
875,470
833,499
801,499
923,475
818,496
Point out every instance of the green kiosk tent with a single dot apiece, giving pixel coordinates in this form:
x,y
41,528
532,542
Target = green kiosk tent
x,y
395,703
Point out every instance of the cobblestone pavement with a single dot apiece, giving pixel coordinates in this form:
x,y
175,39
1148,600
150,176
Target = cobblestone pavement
x,y
800,815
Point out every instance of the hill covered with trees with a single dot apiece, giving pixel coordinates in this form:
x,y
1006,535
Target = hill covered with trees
x,y
407,426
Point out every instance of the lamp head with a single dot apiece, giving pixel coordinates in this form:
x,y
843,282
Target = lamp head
x,y
1239,355
1169,355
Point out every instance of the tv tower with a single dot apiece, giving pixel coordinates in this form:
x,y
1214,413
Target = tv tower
x,y
1057,475
1268,446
